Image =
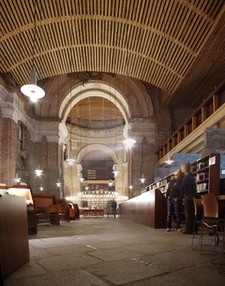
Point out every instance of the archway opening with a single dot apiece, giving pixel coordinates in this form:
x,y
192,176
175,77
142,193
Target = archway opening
x,y
96,116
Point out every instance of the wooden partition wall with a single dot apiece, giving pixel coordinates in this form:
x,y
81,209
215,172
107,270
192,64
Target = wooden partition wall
x,y
148,208
14,247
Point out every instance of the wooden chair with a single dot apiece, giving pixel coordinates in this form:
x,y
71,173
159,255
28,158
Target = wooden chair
x,y
57,213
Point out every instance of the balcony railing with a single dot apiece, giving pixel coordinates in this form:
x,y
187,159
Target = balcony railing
x,y
204,111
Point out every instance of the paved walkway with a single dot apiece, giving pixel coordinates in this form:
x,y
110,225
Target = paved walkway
x,y
107,251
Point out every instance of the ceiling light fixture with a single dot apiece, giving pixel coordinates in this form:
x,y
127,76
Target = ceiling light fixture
x,y
32,90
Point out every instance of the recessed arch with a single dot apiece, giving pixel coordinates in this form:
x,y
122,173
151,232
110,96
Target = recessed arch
x,y
96,147
94,89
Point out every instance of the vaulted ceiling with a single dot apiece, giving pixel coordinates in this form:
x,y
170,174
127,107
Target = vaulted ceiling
x,y
176,45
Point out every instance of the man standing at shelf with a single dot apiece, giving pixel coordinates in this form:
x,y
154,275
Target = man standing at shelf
x,y
173,196
188,190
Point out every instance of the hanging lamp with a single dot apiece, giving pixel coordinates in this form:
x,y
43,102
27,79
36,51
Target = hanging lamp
x,y
58,184
142,179
17,179
32,90
169,161
129,142
110,183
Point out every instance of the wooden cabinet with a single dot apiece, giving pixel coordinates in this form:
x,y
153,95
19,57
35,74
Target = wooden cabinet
x,y
148,208
26,193
14,247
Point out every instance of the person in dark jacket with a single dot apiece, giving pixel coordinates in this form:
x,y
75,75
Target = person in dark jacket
x,y
114,206
189,191
173,196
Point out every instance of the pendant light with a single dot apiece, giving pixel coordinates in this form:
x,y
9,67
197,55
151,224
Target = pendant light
x,y
38,171
110,183
17,179
169,161
129,142
142,179
58,184
115,171
32,90
69,158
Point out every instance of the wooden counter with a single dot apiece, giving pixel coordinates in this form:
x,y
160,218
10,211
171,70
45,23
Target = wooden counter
x,y
14,247
148,208
92,212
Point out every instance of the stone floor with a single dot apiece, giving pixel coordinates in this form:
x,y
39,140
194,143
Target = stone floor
x,y
108,251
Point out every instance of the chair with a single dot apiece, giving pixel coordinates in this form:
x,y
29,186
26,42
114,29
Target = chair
x,y
56,213
211,222
198,206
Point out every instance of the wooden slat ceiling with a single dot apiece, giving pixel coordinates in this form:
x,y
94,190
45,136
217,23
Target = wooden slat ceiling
x,y
96,113
155,41
98,108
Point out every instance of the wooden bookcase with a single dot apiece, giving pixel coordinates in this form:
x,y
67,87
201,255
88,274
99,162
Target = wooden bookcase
x,y
207,173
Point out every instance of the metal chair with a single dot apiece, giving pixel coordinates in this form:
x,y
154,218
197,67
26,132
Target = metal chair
x,y
210,222
196,236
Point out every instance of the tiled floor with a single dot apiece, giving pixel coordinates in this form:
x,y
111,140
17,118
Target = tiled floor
x,y
108,251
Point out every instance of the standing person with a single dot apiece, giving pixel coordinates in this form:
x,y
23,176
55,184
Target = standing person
x,y
114,206
188,189
173,196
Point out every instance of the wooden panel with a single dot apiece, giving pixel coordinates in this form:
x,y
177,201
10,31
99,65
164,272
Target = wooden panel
x,y
14,247
148,208
44,200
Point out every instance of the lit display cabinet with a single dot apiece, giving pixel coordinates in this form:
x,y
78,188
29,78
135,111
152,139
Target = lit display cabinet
x,y
25,192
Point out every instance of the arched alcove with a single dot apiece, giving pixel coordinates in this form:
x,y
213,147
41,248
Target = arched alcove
x,y
94,89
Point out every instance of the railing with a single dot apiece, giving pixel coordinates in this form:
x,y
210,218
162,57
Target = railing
x,y
204,111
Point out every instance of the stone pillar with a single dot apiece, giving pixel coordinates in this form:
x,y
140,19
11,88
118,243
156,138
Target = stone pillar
x,y
46,155
8,150
143,152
